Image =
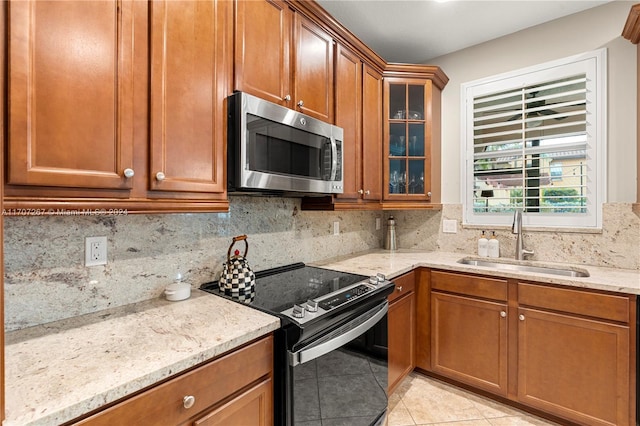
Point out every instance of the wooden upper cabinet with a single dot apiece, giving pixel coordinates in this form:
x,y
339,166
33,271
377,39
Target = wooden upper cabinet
x,y
358,111
70,92
118,104
187,108
283,57
411,136
348,98
371,134
263,34
313,74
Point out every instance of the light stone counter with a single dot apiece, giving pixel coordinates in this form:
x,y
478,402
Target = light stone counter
x,y
59,371
393,264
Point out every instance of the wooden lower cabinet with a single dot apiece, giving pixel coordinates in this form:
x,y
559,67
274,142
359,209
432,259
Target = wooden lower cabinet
x,y
469,341
574,368
567,352
576,352
232,390
401,329
252,407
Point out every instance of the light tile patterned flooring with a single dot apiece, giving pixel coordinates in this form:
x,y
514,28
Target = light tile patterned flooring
x,y
421,400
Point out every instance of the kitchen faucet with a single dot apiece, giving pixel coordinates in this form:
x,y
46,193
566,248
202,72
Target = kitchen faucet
x,y
516,228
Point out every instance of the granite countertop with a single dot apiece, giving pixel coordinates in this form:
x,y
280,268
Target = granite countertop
x,y
59,371
393,264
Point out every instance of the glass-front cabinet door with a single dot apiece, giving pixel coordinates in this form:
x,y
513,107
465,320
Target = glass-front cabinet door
x,y
407,140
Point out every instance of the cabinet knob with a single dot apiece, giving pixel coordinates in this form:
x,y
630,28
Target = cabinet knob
x,y
429,194
300,103
503,314
521,317
128,173
287,98
399,288
188,401
360,191
367,192
160,176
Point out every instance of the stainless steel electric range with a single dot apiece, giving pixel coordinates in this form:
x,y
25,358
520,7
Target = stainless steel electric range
x,y
330,363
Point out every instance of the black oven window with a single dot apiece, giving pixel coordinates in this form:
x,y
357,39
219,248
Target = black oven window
x,y
274,155
281,149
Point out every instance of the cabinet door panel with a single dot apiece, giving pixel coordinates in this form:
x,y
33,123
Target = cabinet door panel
x,y
314,70
252,407
372,134
71,93
469,341
262,49
401,335
188,95
573,367
408,140
348,114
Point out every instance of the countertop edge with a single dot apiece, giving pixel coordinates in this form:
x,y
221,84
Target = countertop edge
x,y
396,263
44,416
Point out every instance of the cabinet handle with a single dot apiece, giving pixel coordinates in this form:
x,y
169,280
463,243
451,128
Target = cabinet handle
x,y
188,401
128,173
300,103
521,317
503,314
160,176
287,98
360,191
399,288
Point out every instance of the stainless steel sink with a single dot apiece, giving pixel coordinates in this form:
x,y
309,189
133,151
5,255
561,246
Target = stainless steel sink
x,y
521,267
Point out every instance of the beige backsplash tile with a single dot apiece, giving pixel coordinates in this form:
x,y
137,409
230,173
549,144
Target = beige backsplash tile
x,y
618,245
45,279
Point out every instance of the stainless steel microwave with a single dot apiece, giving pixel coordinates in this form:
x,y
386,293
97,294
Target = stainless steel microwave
x,y
273,149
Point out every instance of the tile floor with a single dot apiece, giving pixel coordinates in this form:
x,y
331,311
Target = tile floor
x,y
421,400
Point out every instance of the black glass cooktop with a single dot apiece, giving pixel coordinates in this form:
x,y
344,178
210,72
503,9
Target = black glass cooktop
x,y
279,289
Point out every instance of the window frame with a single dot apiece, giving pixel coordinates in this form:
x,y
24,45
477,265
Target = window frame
x,y
594,65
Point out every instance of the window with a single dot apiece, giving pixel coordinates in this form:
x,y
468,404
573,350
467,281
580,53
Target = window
x,y
535,139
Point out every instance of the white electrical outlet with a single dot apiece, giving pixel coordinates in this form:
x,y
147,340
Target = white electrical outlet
x,y
450,226
377,223
95,251
336,228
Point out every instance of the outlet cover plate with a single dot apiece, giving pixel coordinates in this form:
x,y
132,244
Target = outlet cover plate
x,y
450,226
95,251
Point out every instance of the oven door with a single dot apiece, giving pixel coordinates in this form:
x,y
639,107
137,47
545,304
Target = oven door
x,y
342,376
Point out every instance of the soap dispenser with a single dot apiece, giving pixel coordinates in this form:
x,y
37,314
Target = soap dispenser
x,y
494,246
483,246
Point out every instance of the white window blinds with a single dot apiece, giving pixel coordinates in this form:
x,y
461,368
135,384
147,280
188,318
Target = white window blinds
x,y
534,140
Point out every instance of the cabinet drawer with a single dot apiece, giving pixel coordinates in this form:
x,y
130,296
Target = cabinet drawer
x,y
581,302
471,285
405,284
209,384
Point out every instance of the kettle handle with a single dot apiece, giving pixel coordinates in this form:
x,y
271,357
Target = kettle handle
x,y
235,240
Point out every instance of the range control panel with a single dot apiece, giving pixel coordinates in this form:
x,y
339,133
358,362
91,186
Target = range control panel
x,y
314,308
338,299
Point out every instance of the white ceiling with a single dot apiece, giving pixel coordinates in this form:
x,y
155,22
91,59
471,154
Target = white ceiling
x,y
419,30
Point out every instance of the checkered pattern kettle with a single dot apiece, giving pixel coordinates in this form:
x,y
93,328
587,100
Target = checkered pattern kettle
x,y
237,279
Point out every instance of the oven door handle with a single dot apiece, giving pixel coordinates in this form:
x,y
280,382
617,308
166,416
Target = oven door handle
x,y
352,330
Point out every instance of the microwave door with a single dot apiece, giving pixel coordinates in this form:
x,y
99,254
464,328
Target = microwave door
x,y
288,151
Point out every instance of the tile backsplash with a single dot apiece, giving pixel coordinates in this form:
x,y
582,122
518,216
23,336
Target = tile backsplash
x,y
46,280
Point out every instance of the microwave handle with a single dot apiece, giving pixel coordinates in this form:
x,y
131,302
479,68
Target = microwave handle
x,y
359,327
334,158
